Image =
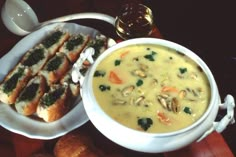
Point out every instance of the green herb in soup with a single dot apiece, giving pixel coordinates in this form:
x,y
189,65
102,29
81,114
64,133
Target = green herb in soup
x,y
183,70
145,123
150,57
104,88
151,88
187,110
139,82
99,73
117,62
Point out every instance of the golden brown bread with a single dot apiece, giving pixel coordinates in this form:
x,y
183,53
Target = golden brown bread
x,y
35,58
54,41
100,45
13,83
53,104
80,144
76,145
55,68
74,46
28,99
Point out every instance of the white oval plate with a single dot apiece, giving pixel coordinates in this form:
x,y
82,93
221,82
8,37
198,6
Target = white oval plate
x,y
33,128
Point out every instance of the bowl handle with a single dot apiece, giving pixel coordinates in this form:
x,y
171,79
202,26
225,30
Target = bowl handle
x,y
86,55
221,125
76,74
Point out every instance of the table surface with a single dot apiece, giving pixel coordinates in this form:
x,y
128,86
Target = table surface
x,y
206,33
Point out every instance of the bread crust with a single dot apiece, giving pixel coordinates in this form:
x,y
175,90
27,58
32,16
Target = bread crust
x,y
35,53
53,48
54,76
10,97
56,110
28,107
74,53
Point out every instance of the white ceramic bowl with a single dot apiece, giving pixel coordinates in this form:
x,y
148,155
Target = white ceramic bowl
x,y
150,142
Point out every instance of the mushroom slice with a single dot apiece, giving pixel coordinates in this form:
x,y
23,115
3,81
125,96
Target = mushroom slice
x,y
175,107
127,90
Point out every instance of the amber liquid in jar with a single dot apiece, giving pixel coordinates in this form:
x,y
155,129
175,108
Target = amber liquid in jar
x,y
135,20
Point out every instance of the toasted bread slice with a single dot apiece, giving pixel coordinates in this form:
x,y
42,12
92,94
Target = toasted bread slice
x,y
55,40
99,44
53,105
13,83
74,46
77,144
28,99
74,87
55,68
35,59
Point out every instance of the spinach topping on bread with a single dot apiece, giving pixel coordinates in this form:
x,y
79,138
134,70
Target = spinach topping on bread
x,y
11,83
72,43
51,97
54,63
34,57
52,39
30,92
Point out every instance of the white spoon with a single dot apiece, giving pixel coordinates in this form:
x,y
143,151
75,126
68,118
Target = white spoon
x,y
20,19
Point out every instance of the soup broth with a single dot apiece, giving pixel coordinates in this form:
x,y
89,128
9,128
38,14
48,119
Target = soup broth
x,y
151,88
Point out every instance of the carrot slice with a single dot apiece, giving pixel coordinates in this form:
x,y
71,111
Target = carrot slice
x,y
113,78
163,118
124,54
169,89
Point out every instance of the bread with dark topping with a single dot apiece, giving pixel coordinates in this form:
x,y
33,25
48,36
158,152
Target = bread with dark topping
x,y
28,99
13,83
35,59
55,68
54,40
54,104
74,46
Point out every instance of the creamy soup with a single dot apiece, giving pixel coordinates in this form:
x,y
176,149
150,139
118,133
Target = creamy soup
x,y
151,88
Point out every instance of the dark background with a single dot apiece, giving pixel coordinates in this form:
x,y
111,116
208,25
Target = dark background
x,y
207,27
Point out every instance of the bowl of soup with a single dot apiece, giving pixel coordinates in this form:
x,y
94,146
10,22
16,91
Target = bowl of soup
x,y
150,95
